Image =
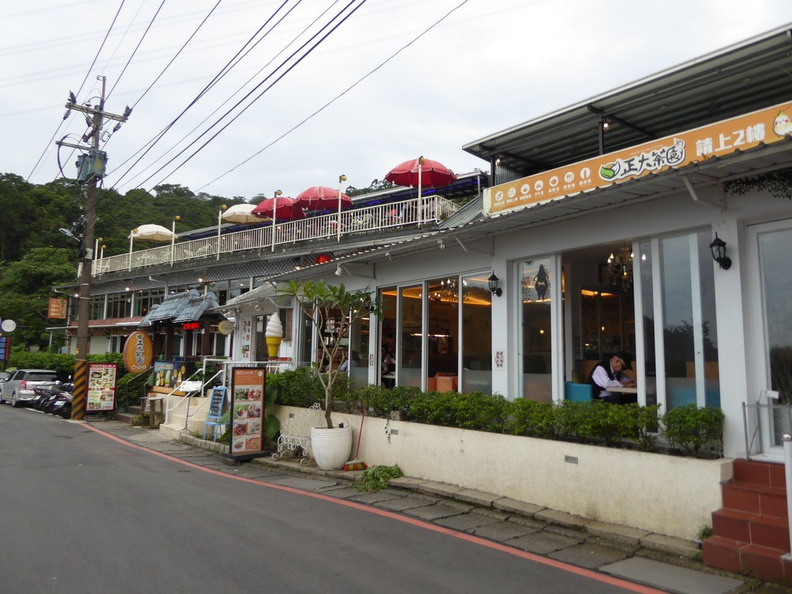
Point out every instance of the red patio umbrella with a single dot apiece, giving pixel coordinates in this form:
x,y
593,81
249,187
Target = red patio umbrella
x,y
421,172
431,174
279,209
322,198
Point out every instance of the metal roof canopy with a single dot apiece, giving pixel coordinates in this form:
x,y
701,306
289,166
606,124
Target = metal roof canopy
x,y
751,75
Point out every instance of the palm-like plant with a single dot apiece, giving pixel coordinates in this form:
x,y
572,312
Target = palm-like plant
x,y
333,310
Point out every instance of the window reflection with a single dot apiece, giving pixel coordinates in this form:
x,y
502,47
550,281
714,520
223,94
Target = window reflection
x,y
535,283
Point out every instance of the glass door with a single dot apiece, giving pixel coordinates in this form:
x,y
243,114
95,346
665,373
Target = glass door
x,y
769,285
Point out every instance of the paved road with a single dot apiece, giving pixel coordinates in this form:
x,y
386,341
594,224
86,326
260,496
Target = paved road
x,y
86,513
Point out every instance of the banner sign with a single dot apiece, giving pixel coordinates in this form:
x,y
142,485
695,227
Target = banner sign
x,y
5,348
101,387
247,411
723,138
56,309
168,375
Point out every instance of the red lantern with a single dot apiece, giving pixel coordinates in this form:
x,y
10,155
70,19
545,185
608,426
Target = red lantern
x,y
323,259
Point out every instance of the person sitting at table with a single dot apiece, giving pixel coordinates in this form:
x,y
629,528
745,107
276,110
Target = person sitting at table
x,y
609,373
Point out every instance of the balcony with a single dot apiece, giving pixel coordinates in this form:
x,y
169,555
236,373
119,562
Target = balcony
x,y
325,227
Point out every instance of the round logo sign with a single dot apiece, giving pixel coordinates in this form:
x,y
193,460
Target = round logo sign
x,y
138,351
8,325
225,327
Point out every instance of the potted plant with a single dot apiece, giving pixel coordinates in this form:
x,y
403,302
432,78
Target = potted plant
x,y
333,310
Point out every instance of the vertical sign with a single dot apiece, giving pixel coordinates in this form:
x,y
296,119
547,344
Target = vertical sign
x,y
56,308
247,411
5,348
101,387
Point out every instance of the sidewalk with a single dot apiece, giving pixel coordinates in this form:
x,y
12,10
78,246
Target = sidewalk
x,y
663,562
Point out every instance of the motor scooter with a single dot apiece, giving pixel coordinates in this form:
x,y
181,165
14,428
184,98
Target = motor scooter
x,y
41,396
62,403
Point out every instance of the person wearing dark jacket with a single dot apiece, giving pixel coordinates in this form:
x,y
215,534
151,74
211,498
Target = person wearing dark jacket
x,y
609,373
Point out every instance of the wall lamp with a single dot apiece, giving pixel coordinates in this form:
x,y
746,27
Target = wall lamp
x,y
718,248
492,282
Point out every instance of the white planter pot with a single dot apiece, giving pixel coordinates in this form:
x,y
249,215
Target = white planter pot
x,y
331,447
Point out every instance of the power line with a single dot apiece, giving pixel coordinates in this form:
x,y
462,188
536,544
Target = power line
x,y
289,69
337,97
131,57
54,134
297,36
223,72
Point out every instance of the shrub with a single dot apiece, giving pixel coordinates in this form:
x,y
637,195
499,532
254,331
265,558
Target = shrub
x,y
433,408
297,387
615,425
479,411
690,428
377,400
530,418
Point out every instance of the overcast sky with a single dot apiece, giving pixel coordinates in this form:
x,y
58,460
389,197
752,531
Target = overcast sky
x,y
396,79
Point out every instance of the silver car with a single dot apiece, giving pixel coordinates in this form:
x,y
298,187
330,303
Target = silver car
x,y
18,389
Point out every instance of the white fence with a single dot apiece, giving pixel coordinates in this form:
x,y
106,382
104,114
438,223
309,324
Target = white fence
x,y
327,226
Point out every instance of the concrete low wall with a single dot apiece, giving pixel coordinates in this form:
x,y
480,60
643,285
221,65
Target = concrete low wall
x,y
664,494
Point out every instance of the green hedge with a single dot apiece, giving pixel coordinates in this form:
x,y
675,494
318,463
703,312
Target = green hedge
x,y
686,430
61,363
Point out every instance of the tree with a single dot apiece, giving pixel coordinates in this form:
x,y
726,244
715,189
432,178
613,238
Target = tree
x,y
333,311
25,288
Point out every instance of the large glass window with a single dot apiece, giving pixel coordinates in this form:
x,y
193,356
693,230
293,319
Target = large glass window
x,y
476,334
358,351
442,332
689,330
536,330
410,347
386,360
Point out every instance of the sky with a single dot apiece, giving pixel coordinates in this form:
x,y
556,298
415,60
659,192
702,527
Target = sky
x,y
301,104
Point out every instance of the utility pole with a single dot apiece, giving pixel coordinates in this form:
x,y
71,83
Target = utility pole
x,y
91,168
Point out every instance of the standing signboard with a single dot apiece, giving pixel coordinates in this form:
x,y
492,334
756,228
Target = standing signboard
x,y
101,387
247,411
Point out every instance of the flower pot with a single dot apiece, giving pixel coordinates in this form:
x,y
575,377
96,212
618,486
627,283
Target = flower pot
x,y
331,447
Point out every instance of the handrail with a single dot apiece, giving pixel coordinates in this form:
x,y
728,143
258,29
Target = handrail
x,y
415,211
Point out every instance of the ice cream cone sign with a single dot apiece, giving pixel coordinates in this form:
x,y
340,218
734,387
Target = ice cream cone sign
x,y
273,334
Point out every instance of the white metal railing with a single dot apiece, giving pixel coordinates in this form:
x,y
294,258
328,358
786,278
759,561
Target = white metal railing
x,y
327,226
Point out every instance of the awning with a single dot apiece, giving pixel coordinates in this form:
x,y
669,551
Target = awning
x,y
181,307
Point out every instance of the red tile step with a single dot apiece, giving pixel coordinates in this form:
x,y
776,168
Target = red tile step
x,y
759,473
764,563
732,524
722,553
769,531
755,498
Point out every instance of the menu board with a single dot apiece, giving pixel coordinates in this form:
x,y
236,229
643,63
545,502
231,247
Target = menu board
x,y
247,411
101,387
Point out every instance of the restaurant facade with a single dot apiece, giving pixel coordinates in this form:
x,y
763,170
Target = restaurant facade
x,y
653,219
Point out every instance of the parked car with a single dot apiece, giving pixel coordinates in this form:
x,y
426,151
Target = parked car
x,y
4,375
19,388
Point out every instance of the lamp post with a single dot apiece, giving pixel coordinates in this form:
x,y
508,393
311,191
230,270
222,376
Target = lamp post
x,y
420,198
173,236
275,216
223,208
96,251
131,246
341,179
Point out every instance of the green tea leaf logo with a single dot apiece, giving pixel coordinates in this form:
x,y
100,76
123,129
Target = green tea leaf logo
x,y
606,171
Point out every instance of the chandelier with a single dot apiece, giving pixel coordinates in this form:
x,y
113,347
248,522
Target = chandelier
x,y
448,291
620,268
